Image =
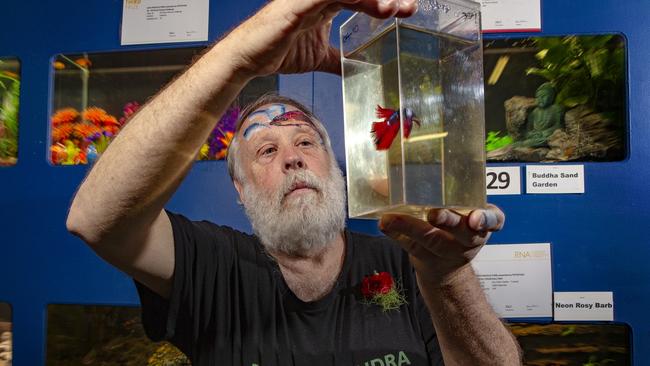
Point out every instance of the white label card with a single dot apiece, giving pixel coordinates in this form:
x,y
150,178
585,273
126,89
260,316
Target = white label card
x,y
511,16
584,306
164,21
555,179
516,279
503,180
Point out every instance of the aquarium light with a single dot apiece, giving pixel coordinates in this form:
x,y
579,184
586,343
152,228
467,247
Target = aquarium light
x,y
498,69
431,136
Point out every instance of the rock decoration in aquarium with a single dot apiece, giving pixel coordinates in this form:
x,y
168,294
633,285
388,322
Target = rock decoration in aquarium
x,y
9,102
104,335
6,345
577,114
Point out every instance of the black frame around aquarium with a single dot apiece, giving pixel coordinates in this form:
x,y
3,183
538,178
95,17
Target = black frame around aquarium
x,y
588,72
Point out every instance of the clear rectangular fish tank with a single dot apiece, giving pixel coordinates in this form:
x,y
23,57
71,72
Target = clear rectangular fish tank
x,y
414,110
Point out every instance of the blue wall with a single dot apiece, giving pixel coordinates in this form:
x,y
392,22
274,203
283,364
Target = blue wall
x,y
600,239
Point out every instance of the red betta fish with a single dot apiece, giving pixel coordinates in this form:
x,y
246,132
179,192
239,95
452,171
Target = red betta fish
x,y
384,132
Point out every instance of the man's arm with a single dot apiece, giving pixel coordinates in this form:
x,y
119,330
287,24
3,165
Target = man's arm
x,y
118,209
468,329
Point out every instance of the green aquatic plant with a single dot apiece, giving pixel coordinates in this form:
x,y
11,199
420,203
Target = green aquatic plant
x,y
494,141
9,102
569,330
593,361
586,70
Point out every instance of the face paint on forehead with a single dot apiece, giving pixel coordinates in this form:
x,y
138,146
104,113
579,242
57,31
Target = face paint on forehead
x,y
260,119
290,116
250,130
267,114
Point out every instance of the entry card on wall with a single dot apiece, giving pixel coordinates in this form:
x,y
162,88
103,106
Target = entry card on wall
x,y
164,21
516,279
547,179
511,16
584,306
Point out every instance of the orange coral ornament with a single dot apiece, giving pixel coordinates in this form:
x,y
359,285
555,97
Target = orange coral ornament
x,y
87,131
58,154
62,132
226,140
95,115
67,115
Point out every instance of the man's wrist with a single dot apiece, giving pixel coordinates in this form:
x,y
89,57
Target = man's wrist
x,y
446,280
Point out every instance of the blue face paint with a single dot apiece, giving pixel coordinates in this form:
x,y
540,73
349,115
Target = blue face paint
x,y
269,113
248,132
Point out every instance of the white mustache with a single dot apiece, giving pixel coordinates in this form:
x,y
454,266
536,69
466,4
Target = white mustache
x,y
300,179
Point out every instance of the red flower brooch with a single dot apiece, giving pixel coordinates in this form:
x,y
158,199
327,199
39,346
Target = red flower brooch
x,y
380,289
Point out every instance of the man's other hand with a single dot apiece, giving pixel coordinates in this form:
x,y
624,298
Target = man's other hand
x,y
293,36
444,245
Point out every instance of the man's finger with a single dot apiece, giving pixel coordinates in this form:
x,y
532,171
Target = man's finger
x,y
444,218
420,231
383,8
489,219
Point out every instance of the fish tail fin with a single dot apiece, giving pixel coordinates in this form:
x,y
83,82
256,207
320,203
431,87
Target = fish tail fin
x,y
384,134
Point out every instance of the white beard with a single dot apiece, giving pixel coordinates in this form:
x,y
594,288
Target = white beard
x,y
303,224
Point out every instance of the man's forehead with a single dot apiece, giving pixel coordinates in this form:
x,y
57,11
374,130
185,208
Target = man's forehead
x,y
274,115
267,112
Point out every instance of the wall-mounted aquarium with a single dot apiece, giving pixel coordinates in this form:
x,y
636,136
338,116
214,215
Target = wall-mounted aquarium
x,y
9,102
103,335
6,344
574,344
551,99
96,93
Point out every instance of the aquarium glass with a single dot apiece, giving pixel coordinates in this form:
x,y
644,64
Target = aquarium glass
x,y
413,106
584,116
6,342
103,335
574,344
96,93
9,103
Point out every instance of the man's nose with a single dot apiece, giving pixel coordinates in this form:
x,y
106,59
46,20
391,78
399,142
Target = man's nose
x,y
293,160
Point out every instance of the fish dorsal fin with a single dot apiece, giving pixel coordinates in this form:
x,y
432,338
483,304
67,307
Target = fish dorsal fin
x,y
384,112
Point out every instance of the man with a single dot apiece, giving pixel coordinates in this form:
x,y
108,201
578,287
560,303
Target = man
x,y
290,294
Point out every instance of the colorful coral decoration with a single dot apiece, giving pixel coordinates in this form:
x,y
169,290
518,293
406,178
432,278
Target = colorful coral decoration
x,y
216,148
78,138
380,289
129,109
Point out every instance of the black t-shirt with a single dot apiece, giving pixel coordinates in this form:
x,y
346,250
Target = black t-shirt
x,y
230,305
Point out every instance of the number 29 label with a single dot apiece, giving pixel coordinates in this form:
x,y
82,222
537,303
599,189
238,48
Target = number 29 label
x,y
503,180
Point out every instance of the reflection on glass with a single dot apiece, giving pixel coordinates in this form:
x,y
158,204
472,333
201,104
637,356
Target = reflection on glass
x,y
9,102
5,335
103,335
413,104
555,98
574,344
95,94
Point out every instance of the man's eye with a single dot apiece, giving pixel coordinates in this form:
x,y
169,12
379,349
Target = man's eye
x,y
269,150
305,143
